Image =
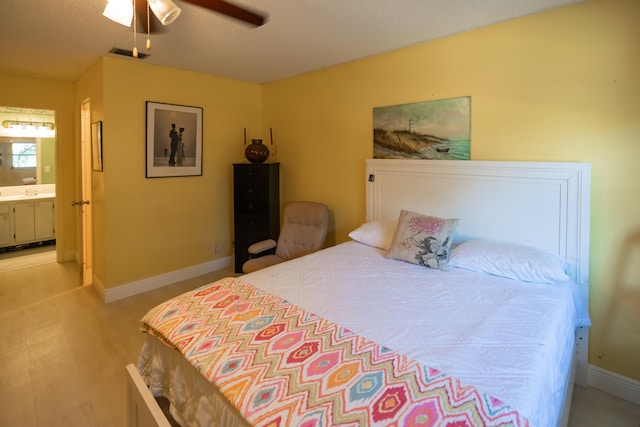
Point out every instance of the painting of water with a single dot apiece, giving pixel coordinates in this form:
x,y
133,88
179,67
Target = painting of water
x,y
439,129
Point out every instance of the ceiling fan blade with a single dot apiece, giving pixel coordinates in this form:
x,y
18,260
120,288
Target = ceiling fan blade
x,y
231,10
155,25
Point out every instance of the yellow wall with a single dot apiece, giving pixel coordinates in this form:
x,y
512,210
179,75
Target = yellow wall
x,y
16,91
149,226
557,86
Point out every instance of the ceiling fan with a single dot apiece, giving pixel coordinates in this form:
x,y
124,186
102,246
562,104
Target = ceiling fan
x,y
166,11
218,6
138,12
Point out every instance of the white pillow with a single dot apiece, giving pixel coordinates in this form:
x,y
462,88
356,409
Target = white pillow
x,y
375,233
513,261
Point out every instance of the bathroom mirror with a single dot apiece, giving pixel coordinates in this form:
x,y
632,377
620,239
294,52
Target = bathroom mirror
x,y
27,146
25,161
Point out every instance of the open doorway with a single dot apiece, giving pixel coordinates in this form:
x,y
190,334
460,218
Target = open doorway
x,y
27,186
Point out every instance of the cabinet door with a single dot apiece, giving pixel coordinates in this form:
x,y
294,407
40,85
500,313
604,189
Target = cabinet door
x,y
6,238
43,215
24,226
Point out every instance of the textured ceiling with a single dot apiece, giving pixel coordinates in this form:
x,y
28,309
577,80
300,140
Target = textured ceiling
x,y
60,39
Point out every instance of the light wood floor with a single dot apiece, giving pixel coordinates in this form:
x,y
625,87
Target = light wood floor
x,y
63,352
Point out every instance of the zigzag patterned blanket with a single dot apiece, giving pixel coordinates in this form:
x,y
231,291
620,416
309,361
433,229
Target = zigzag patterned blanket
x,y
280,365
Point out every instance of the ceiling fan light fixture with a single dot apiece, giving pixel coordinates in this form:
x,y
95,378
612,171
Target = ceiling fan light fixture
x,y
165,10
120,11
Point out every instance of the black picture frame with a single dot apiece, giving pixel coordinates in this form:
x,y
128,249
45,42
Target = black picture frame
x,y
174,140
96,146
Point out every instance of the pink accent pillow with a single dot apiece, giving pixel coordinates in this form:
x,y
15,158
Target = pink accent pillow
x,y
423,240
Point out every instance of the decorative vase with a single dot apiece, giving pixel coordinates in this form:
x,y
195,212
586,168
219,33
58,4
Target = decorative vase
x,y
256,152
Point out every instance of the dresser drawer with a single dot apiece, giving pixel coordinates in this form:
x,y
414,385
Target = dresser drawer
x,y
4,208
251,223
251,207
251,173
251,191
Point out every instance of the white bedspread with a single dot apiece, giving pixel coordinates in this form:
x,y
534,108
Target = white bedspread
x,y
510,339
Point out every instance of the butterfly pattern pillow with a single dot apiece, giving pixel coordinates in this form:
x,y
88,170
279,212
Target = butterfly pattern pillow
x,y
422,239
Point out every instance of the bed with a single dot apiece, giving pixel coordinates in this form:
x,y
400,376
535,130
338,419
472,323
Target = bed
x,y
462,344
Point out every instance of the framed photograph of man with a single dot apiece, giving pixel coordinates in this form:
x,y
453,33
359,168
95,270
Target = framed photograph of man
x,y
174,140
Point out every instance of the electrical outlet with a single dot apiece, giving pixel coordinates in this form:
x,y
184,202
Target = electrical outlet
x,y
216,248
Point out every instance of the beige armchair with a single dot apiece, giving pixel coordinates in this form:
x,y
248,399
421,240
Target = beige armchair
x,y
304,228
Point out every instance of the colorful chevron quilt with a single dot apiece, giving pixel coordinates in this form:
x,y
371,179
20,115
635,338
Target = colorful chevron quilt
x,y
280,365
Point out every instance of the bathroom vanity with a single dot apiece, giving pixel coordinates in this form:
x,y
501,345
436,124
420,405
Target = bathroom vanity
x,y
27,217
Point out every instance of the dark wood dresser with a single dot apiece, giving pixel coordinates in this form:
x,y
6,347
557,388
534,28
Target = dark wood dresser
x,y
256,206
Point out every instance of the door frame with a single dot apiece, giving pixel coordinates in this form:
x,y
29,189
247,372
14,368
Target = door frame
x,y
86,241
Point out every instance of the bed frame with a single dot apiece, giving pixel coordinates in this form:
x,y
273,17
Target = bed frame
x,y
142,408
545,205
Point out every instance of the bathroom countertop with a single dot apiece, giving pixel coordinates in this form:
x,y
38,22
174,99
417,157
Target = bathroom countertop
x,y
24,198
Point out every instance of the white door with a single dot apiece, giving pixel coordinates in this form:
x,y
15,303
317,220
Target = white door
x,y
85,203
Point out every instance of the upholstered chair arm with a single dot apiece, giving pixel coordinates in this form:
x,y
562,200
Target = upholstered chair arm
x,y
262,246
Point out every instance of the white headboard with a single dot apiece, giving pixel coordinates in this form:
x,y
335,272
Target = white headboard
x,y
545,205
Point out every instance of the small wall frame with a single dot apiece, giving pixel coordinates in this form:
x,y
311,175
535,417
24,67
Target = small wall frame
x,y
96,145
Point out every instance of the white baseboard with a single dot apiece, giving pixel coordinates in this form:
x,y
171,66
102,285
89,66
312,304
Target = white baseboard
x,y
615,384
144,285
